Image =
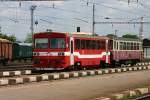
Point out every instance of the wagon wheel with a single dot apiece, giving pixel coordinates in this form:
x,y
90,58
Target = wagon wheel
x,y
5,62
77,66
102,64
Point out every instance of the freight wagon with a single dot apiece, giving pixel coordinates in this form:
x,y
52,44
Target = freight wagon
x,y
22,51
5,51
10,51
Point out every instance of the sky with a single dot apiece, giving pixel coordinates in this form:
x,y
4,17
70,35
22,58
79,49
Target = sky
x,y
65,16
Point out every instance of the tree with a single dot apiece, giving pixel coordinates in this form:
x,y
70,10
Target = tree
x,y
128,35
111,35
10,38
28,38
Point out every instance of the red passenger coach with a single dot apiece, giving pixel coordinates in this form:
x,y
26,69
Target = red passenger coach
x,y
126,51
57,51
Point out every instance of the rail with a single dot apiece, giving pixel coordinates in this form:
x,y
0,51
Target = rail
x,y
144,97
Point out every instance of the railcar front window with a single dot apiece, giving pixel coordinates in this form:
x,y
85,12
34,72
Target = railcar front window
x,y
57,43
41,43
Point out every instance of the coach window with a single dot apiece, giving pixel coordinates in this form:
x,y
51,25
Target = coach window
x,y
88,44
83,44
114,45
117,46
57,43
138,46
102,44
110,44
128,46
121,45
93,45
124,45
41,43
77,43
134,46
98,45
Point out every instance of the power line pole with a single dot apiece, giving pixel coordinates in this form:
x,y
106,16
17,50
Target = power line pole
x,y
116,32
141,34
32,19
93,23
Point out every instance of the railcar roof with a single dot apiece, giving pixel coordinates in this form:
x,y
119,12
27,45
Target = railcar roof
x,y
76,34
4,40
25,44
126,39
88,36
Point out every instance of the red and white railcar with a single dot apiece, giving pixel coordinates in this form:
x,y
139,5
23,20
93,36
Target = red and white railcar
x,y
57,51
126,51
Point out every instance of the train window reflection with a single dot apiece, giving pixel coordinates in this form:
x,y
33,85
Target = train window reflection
x,y
57,43
41,43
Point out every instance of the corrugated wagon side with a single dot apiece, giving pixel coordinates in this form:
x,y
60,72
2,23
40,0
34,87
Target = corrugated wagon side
x,y
22,51
25,51
5,51
15,51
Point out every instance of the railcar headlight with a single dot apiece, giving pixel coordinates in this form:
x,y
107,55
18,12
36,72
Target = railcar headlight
x,y
34,54
61,54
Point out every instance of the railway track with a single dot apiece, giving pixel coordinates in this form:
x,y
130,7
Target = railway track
x,y
15,67
13,78
143,97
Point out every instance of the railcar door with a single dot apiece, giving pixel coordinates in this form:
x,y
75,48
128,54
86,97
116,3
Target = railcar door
x,y
71,51
107,53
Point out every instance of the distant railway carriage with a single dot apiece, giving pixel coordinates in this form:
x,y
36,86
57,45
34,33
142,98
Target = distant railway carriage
x,y
56,51
25,50
10,51
22,51
5,51
15,51
146,48
126,51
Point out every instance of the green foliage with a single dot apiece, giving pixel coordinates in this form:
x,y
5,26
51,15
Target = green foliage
x,y
10,38
128,35
111,35
28,38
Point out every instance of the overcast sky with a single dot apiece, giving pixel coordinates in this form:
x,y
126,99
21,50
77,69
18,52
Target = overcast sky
x,y
65,16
